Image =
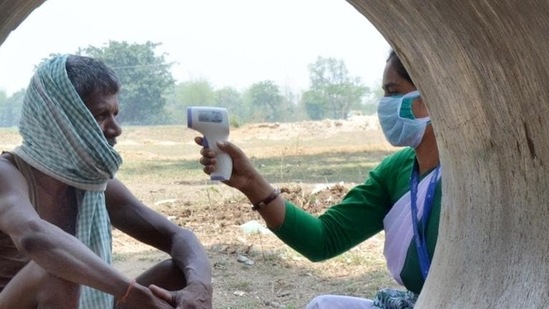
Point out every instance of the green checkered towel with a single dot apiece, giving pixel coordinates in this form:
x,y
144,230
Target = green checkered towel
x,y
62,139
394,299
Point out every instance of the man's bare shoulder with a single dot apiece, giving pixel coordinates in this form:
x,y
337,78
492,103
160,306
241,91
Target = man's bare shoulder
x,y
14,195
7,166
11,179
118,195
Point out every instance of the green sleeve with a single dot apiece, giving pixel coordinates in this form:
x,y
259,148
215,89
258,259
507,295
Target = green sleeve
x,y
358,217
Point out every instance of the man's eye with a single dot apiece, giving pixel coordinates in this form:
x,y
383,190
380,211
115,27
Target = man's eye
x,y
100,118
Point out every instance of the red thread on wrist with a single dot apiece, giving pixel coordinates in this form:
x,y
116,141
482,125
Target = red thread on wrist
x,y
125,297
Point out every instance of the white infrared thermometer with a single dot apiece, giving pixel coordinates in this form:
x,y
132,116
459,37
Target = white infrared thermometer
x,y
213,123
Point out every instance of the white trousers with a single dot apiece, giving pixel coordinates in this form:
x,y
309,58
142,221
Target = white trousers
x,y
339,302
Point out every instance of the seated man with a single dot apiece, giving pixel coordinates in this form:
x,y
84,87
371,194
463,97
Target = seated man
x,y
59,196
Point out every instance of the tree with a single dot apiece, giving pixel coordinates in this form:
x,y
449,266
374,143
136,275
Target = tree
x,y
264,101
482,69
333,92
196,92
293,110
3,108
231,99
314,103
145,78
370,101
10,108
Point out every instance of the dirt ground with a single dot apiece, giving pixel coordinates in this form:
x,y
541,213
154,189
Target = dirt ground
x,y
251,267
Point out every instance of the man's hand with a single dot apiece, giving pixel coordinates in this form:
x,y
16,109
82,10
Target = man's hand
x,y
142,297
193,296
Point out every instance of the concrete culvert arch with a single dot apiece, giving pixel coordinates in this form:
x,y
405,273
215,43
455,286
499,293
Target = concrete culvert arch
x,y
482,68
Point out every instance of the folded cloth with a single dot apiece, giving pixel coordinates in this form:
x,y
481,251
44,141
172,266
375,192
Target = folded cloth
x,y
394,299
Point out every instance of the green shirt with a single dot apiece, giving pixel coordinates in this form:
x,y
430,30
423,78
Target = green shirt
x,y
360,216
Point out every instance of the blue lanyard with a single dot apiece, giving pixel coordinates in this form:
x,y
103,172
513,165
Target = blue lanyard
x,y
420,238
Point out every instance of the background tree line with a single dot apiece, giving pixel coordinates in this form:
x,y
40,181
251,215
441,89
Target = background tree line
x,y
150,94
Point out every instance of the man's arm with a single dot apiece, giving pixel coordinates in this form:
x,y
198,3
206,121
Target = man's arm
x,y
141,222
54,250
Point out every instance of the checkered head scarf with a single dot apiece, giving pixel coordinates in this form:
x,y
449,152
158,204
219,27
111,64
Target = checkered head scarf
x,y
61,138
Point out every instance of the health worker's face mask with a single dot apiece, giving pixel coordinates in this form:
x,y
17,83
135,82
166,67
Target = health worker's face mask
x,y
398,122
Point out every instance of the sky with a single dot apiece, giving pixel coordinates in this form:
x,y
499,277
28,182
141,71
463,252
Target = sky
x,y
229,43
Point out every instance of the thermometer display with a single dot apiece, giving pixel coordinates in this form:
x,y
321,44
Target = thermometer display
x,y
210,116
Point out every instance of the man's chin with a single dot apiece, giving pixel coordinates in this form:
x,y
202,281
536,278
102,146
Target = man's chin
x,y
111,142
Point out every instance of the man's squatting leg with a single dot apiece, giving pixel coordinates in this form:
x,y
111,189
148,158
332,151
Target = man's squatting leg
x,y
34,288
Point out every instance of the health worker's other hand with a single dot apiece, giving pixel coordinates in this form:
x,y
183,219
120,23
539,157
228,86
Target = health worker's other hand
x,y
244,175
193,296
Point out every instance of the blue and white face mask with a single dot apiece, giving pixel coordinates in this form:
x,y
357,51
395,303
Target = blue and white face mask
x,y
398,123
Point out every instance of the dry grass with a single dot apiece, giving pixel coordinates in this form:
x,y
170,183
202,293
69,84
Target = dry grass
x,y
161,168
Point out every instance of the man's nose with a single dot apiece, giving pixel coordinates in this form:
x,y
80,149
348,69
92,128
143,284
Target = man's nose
x,y
112,128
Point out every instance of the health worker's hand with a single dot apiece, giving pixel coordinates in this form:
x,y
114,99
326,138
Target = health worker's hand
x,y
244,176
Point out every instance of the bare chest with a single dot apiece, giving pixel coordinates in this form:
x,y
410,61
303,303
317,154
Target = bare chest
x,y
59,208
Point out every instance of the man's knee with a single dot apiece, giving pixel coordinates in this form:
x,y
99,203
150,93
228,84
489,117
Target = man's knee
x,y
165,274
55,292
34,287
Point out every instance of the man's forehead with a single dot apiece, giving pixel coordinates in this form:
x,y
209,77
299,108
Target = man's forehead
x,y
103,102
